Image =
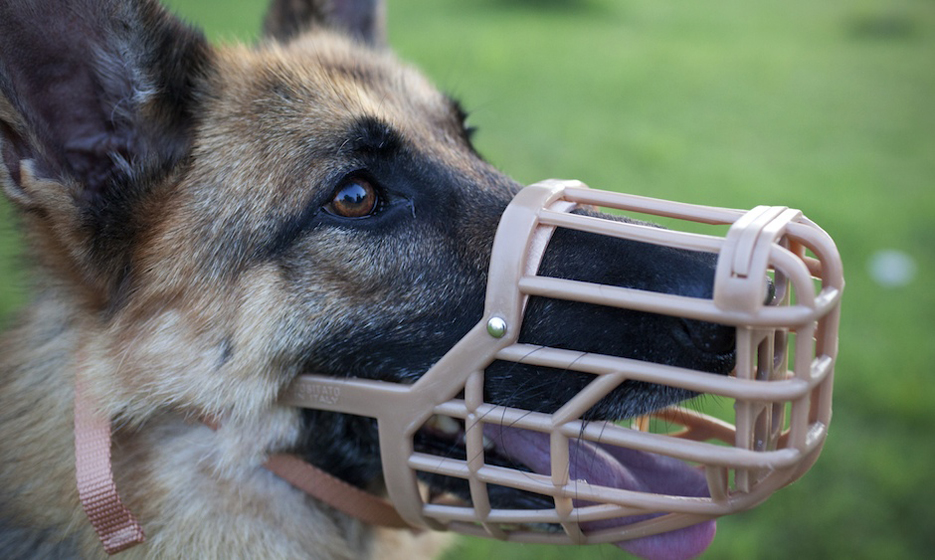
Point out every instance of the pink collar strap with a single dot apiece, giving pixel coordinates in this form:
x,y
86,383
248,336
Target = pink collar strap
x,y
333,491
117,528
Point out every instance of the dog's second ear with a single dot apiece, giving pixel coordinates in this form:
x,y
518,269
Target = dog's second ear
x,y
97,106
364,20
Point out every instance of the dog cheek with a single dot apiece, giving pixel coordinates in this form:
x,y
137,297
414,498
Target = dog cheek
x,y
245,443
214,355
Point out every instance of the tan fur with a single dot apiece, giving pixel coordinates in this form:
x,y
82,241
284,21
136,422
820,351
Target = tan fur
x,y
151,365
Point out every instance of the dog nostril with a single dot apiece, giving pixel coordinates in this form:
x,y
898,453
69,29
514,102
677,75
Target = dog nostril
x,y
710,338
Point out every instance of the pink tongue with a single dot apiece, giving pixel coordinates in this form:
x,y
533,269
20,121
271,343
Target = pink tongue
x,y
619,468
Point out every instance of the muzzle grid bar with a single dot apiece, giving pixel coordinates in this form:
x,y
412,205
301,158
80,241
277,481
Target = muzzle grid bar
x,y
781,385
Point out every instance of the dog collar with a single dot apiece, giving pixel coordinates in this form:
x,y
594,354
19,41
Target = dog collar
x,y
117,528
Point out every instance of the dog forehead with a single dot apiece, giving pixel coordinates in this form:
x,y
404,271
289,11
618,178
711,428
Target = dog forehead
x,y
278,120
276,124
316,86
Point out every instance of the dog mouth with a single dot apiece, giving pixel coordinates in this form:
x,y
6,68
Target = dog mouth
x,y
589,463
544,390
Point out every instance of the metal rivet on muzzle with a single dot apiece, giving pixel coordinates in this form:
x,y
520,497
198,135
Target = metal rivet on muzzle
x,y
496,327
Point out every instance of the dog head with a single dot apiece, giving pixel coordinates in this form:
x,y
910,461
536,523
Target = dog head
x,y
220,220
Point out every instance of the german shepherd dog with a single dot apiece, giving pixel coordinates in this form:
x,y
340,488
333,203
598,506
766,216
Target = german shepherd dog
x,y
208,223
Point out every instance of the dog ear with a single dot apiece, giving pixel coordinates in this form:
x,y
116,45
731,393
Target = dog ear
x,y
97,105
364,20
102,88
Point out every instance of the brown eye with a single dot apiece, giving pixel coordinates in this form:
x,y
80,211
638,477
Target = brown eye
x,y
355,198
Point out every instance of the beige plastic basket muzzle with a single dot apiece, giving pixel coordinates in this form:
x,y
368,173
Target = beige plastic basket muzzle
x,y
780,389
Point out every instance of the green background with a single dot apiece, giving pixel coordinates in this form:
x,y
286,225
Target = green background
x,y
824,106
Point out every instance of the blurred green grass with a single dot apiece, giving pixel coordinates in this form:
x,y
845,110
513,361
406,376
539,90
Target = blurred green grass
x,y
824,106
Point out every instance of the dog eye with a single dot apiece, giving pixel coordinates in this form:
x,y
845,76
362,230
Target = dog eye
x,y
356,197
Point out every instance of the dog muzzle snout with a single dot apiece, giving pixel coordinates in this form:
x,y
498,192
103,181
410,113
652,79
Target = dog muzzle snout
x,y
709,337
653,484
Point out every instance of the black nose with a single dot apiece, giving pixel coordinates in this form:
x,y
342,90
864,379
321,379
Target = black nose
x,y
720,340
710,338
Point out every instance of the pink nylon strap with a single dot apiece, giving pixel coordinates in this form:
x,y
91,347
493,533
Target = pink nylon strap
x,y
333,491
117,528
329,489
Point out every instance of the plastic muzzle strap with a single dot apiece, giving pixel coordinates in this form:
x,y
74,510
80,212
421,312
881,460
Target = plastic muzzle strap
x,y
780,388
